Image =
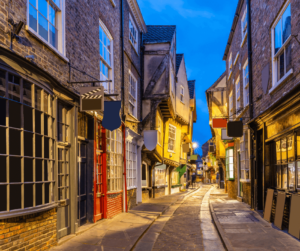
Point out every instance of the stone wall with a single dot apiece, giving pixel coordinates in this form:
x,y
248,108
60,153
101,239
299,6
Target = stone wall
x,y
30,232
131,198
145,195
159,192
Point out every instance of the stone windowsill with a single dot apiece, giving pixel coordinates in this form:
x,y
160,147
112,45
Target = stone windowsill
x,y
281,81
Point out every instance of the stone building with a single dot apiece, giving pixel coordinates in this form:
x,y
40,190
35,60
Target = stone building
x,y
239,104
59,167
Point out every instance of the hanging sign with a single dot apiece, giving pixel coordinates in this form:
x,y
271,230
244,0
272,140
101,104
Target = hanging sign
x,y
111,117
224,135
219,123
194,157
150,139
235,129
92,99
186,148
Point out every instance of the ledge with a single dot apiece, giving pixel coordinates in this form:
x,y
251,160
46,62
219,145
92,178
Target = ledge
x,y
37,36
23,212
281,81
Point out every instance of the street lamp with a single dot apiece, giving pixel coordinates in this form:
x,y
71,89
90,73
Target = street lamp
x,y
195,145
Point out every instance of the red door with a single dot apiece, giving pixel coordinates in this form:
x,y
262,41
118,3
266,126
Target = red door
x,y
99,172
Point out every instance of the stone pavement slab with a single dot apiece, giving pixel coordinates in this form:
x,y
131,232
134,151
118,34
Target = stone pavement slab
x,y
243,229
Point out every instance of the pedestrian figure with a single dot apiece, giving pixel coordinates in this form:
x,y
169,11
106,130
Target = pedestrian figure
x,y
218,176
193,180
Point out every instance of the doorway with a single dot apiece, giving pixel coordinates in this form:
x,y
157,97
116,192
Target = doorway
x,y
82,184
259,170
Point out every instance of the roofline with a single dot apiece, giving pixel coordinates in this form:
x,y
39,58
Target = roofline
x,y
217,81
138,15
157,42
233,27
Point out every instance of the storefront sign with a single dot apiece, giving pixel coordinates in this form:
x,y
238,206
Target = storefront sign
x,y
186,148
150,139
235,129
111,117
219,123
92,99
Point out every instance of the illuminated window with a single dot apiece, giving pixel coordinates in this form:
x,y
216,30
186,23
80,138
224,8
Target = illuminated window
x,y
131,164
172,138
229,164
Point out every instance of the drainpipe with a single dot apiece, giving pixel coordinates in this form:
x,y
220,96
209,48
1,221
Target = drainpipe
x,y
252,165
123,103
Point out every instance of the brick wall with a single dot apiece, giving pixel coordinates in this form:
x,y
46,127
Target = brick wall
x,y
131,198
30,232
145,195
114,204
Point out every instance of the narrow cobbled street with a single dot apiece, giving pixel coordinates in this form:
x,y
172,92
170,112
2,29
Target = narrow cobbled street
x,y
176,222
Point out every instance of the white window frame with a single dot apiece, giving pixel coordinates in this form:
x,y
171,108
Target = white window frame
x,y
246,84
132,96
238,94
60,26
244,24
135,43
172,139
230,65
131,164
245,160
143,181
275,81
108,87
182,94
158,130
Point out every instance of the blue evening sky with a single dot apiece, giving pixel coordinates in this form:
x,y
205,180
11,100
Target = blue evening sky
x,y
203,28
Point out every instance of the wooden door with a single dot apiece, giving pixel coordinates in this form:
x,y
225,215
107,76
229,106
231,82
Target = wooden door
x,y
99,173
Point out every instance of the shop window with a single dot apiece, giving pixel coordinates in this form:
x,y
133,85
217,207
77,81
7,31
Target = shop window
x,y
23,156
229,164
175,178
114,160
63,173
160,177
131,164
291,175
144,175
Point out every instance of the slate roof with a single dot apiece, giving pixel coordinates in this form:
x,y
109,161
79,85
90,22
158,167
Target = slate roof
x,y
191,84
159,34
178,61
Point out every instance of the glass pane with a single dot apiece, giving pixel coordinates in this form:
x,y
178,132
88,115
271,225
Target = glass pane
x,y
33,2
284,150
292,177
61,180
15,197
290,148
38,96
46,171
46,147
286,23
83,150
60,154
42,6
28,170
28,144
82,178
61,193
14,169
38,194
46,186
280,66
28,195
53,36
27,111
3,196
278,36
3,112
43,27
3,169
51,15
284,176
38,169
2,84
14,142
278,152
278,176
288,57
32,17
60,112
38,145
27,93
14,87
14,114
60,132
46,102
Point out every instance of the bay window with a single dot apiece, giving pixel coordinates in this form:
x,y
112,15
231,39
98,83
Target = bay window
x,y
281,51
45,20
229,164
106,57
131,150
114,160
26,146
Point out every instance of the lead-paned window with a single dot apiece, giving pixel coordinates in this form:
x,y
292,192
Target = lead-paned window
x,y
172,138
63,173
282,45
45,16
26,153
131,164
229,164
114,160
106,57
63,122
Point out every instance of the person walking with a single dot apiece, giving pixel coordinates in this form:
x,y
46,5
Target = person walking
x,y
218,177
193,180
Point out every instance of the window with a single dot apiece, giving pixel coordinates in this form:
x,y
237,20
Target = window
x,y
238,94
230,104
245,161
131,164
246,84
133,34
182,94
230,66
160,177
175,178
63,173
282,63
132,95
114,160
26,146
106,57
82,124
244,26
63,123
229,164
144,175
172,138
45,19
158,126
